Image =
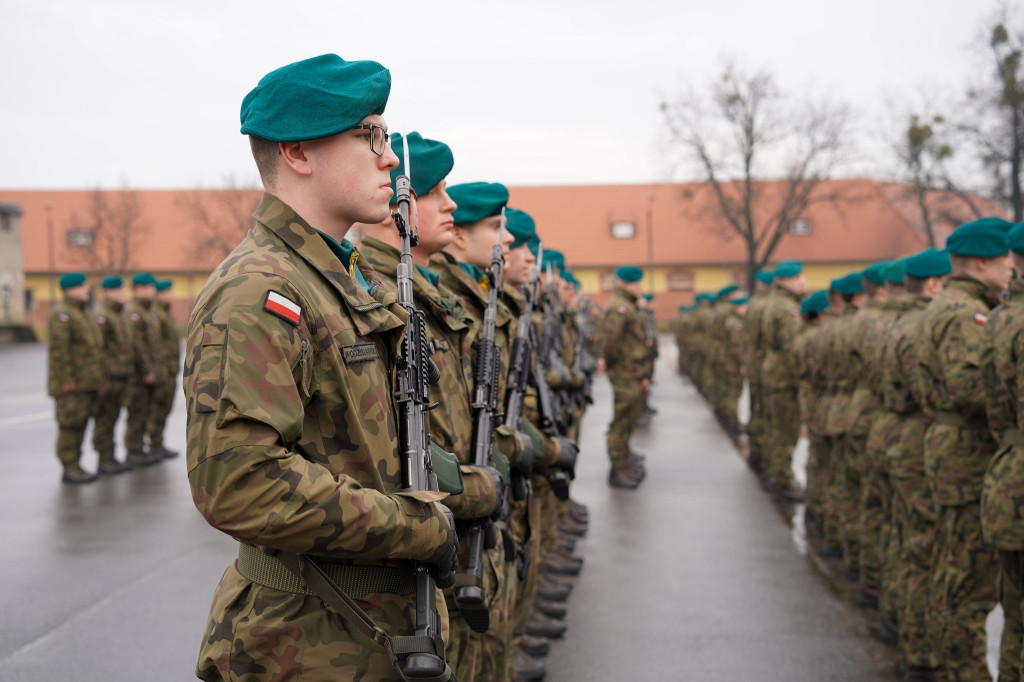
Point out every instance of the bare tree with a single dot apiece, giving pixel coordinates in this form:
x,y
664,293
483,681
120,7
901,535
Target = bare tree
x,y
108,237
764,153
995,119
222,217
925,151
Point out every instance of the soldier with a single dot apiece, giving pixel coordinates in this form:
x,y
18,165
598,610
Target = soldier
x,y
645,306
780,326
913,506
77,374
811,310
164,389
753,358
958,444
117,352
731,364
292,438
1002,525
148,368
623,354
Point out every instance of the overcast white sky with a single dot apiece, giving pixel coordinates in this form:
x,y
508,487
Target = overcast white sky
x,y
146,93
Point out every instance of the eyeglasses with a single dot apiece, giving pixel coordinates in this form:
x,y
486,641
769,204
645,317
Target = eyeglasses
x,y
379,138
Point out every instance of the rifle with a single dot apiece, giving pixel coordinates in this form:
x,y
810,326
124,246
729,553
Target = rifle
x,y
550,416
583,363
469,594
519,371
416,373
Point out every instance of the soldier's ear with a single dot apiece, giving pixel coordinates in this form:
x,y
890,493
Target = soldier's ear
x,y
293,155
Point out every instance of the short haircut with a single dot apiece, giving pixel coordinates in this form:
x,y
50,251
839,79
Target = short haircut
x,y
265,153
870,288
915,285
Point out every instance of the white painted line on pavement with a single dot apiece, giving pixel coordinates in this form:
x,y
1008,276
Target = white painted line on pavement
x,y
11,421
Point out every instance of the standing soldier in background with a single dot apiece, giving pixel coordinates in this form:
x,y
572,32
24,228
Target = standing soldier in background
x,y
148,368
1002,367
811,310
753,358
167,379
77,373
624,354
645,306
913,505
958,443
117,352
731,364
780,326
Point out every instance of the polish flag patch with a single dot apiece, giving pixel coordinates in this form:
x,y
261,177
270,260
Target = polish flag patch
x,y
980,319
283,307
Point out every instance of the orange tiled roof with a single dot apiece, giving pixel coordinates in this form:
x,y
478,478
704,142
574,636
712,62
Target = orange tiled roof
x,y
874,220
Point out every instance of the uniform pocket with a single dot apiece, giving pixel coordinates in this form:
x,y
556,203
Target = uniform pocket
x,y
205,378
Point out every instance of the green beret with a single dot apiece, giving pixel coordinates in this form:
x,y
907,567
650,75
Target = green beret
x,y
553,258
143,279
700,298
71,279
1015,238
740,301
894,271
765,277
520,225
163,284
628,273
648,297
112,282
571,279
431,161
685,308
533,243
929,263
873,273
815,303
726,290
315,98
984,238
788,269
477,200
851,284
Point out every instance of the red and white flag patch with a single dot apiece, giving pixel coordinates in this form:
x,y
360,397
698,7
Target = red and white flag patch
x,y
283,307
980,319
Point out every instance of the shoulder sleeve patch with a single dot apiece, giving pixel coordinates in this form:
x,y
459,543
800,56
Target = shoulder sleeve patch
x,y
63,317
283,307
100,319
135,317
622,310
980,319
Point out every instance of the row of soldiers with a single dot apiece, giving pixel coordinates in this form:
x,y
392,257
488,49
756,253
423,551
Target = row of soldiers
x,y
296,421
906,378
114,354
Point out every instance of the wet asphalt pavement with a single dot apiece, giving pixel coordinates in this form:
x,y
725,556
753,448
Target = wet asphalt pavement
x,y
698,575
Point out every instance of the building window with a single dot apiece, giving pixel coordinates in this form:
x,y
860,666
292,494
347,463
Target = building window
x,y
679,280
801,227
5,222
80,238
623,230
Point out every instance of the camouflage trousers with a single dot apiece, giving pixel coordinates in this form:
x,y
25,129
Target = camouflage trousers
x,y
814,495
481,657
259,634
755,425
916,517
727,398
140,404
964,591
781,433
628,403
829,479
163,400
890,542
1011,591
73,413
875,494
108,410
850,460
527,587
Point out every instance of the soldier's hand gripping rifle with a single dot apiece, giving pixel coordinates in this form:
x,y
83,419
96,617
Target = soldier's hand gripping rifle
x,y
416,373
518,378
469,592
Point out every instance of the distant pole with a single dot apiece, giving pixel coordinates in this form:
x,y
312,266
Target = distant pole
x,y
650,243
52,249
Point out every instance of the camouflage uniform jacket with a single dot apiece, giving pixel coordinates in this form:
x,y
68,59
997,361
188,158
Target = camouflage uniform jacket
x,y
807,392
117,346
1002,366
623,339
958,444
859,352
839,376
147,344
451,422
170,338
817,360
733,326
76,349
753,346
780,326
292,434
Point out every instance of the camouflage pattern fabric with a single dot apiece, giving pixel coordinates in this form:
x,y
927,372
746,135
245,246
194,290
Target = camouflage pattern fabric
x,y
292,446
147,353
753,359
780,326
625,353
117,352
166,386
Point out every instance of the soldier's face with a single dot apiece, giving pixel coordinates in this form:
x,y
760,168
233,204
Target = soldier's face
x,y
480,237
518,264
117,295
352,183
79,293
435,215
144,292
